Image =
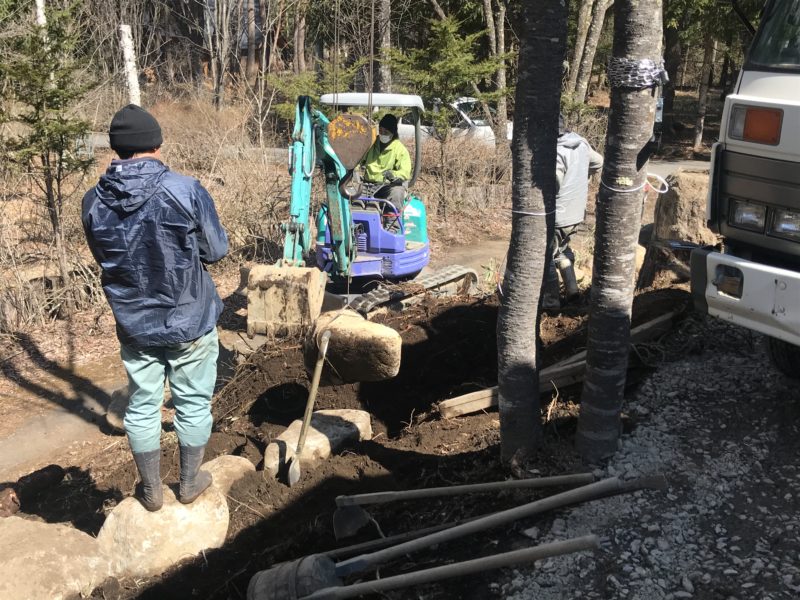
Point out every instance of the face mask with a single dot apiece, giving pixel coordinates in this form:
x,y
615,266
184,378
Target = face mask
x,y
385,139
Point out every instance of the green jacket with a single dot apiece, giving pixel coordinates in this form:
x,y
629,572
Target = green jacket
x,y
394,158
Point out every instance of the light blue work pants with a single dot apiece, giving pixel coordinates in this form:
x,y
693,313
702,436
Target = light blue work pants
x,y
192,372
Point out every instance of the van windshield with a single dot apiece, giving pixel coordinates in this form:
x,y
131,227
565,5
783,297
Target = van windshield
x,y
777,44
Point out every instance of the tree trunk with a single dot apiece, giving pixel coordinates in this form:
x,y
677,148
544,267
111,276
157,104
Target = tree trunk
x,y
274,59
55,203
491,31
637,36
501,119
684,67
385,21
41,19
580,43
709,55
593,39
299,38
495,29
726,68
131,72
438,9
538,91
251,67
218,32
672,63
209,39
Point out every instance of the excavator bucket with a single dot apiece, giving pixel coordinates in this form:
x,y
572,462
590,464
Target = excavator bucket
x,y
283,301
351,137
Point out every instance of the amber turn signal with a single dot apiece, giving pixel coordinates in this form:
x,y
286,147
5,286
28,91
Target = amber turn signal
x,y
756,124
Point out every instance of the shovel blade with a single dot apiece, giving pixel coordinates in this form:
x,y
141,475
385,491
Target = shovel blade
x,y
349,520
283,301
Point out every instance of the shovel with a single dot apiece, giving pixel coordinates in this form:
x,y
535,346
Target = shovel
x,y
349,517
293,469
310,574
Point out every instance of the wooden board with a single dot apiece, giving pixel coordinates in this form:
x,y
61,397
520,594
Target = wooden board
x,y
564,373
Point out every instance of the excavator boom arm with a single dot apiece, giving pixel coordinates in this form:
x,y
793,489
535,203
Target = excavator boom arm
x,y
310,144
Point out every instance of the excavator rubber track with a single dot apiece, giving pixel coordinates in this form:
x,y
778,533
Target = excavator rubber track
x,y
464,278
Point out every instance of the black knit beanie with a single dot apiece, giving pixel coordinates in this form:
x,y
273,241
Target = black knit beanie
x,y
133,129
389,123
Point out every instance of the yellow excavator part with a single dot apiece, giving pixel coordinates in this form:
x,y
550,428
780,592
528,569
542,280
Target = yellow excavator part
x,y
283,301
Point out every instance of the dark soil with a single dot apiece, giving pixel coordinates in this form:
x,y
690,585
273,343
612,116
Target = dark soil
x,y
448,349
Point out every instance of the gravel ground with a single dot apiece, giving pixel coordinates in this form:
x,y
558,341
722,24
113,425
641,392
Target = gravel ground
x,y
722,425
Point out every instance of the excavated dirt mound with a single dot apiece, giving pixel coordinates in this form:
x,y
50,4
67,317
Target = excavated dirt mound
x,y
448,349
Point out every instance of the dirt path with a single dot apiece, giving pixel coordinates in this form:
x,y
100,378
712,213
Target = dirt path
x,y
52,410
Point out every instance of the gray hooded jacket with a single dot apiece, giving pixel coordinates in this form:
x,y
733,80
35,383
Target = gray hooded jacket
x,y
576,161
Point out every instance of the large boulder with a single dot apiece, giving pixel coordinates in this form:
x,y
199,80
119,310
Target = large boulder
x,y
227,470
48,560
141,543
330,430
359,350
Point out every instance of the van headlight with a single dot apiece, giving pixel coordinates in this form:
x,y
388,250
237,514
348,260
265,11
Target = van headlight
x,y
786,224
748,215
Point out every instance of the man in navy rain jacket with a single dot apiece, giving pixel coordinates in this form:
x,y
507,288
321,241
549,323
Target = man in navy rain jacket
x,y
153,231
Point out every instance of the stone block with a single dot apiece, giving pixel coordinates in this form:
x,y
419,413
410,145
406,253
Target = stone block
x,y
359,350
330,431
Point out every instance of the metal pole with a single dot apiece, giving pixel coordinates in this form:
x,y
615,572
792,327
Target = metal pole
x,y
468,567
606,487
457,490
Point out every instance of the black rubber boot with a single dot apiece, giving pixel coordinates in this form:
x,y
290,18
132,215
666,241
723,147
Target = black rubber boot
x,y
193,481
149,492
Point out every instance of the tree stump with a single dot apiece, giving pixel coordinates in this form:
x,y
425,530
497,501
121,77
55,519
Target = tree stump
x,y
680,217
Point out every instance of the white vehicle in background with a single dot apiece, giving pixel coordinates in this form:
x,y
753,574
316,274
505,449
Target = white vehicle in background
x,y
467,123
754,195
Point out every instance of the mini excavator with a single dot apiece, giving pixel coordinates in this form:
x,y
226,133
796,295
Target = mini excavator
x,y
361,242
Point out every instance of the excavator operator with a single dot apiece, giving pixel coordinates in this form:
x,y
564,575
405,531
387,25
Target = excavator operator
x,y
387,165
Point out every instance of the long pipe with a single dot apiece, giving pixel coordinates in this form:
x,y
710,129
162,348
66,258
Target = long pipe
x,y
468,567
457,490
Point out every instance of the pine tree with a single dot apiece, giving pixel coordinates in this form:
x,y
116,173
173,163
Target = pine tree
x,y
42,73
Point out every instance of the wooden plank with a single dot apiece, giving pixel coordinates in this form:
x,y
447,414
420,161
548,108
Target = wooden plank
x,y
550,378
642,333
562,374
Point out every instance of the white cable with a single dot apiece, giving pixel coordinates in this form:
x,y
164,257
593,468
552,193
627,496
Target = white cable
x,y
532,214
619,191
539,214
660,180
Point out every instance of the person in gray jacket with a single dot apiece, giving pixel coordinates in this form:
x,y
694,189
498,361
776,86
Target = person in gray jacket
x,y
576,162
